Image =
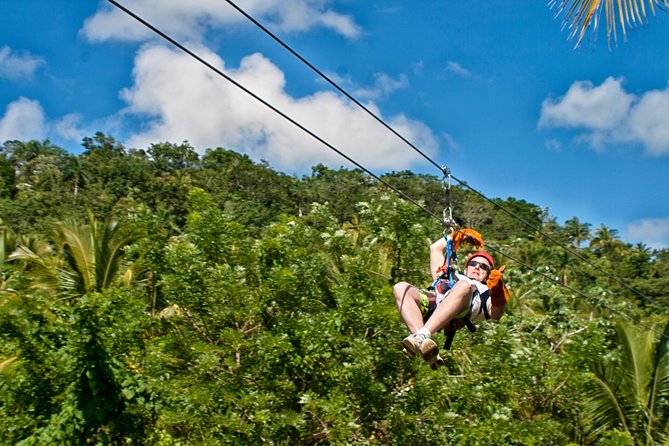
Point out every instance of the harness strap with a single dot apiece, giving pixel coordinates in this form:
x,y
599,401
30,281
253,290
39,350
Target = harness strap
x,y
452,328
450,334
484,305
450,255
447,270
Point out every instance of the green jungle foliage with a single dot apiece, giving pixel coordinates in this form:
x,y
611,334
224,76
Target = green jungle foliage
x,y
162,297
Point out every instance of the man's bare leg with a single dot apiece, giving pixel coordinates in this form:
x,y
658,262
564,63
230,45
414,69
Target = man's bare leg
x,y
407,299
457,301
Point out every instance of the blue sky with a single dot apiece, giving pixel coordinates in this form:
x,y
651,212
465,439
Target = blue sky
x,y
493,90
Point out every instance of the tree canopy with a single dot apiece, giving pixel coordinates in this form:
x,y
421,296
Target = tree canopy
x,y
166,297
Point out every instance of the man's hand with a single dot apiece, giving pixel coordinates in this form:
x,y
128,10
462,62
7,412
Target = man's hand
x,y
469,236
498,291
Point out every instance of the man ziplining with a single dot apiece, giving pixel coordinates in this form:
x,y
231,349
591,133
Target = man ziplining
x,y
454,300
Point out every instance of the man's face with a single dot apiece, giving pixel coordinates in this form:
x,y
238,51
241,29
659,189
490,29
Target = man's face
x,y
478,268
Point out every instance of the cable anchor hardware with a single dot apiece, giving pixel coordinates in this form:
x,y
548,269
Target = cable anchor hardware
x,y
447,214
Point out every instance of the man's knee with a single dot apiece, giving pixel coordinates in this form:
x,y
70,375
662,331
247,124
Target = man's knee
x,y
401,290
462,288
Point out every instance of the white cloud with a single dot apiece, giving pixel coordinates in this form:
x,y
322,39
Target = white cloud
x,y
184,101
23,120
608,114
553,145
654,232
584,105
190,20
450,141
455,67
649,122
384,85
69,127
342,24
15,66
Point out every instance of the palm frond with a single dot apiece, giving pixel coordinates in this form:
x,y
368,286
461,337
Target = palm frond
x,y
579,16
4,244
88,258
43,266
637,349
4,365
109,241
659,388
602,406
75,245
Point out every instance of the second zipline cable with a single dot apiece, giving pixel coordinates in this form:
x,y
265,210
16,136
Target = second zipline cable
x,y
330,146
430,160
268,105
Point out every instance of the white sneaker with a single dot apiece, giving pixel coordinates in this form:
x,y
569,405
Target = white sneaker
x,y
417,344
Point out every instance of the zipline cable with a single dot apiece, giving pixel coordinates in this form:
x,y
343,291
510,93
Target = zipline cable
x,y
552,239
331,82
330,146
267,104
430,160
579,292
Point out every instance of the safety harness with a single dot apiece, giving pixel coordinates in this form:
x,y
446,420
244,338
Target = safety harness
x,y
447,277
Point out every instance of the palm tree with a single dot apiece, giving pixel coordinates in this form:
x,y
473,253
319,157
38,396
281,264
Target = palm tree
x,y
576,231
631,394
5,244
75,173
605,240
80,261
579,15
86,258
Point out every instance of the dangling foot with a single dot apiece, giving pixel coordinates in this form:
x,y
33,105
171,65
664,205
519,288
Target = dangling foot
x,y
417,344
412,345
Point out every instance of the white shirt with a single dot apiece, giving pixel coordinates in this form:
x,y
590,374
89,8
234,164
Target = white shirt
x,y
482,294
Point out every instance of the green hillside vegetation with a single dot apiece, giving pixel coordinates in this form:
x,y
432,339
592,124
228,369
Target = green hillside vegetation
x,y
161,297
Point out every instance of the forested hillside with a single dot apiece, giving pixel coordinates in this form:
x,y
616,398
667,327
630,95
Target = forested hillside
x,y
161,297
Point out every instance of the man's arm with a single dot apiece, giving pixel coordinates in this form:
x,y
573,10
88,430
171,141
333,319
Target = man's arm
x,y
437,256
499,294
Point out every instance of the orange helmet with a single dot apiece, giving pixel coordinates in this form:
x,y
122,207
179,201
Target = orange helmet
x,y
483,254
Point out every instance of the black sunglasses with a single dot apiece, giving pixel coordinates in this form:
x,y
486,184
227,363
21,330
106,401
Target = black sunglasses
x,y
483,266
